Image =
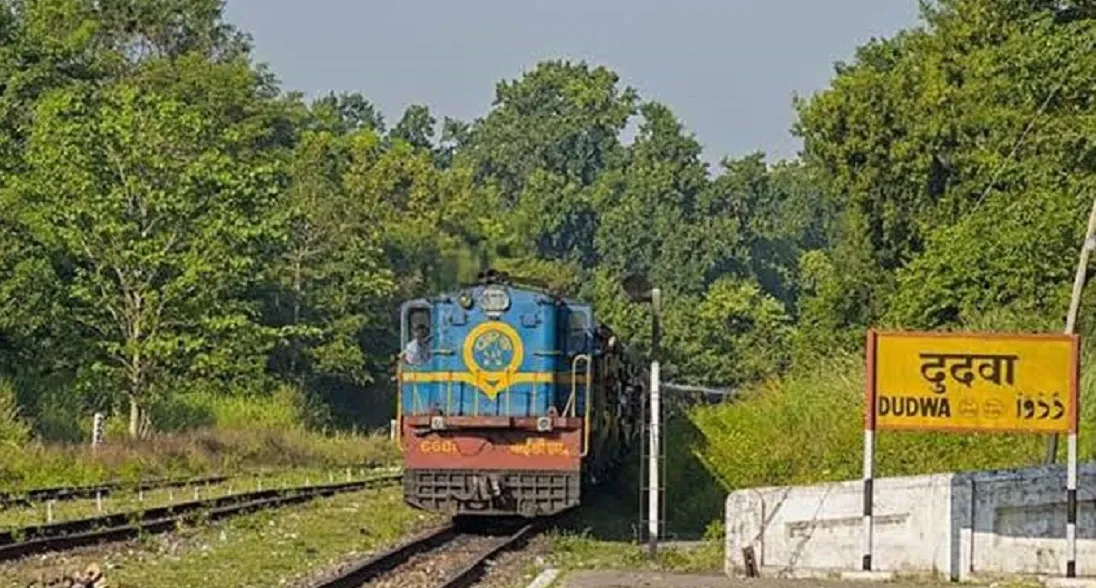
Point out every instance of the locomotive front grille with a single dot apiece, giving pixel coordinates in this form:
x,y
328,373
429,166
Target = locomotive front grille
x,y
492,492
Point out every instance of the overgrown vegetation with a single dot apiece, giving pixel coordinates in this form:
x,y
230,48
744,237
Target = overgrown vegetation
x,y
179,234
193,453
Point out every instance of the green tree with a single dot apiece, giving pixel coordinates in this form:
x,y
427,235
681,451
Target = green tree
x,y
342,113
758,219
560,117
50,44
544,144
736,334
328,286
930,137
161,222
648,208
416,127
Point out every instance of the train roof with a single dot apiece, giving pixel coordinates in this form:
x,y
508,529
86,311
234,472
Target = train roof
x,y
521,284
494,277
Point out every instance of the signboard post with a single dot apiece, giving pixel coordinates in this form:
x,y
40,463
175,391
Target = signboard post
x,y
973,382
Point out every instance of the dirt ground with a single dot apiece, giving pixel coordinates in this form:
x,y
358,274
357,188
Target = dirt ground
x,y
624,579
621,579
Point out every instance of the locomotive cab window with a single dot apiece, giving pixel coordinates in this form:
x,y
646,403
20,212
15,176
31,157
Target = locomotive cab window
x,y
576,333
416,346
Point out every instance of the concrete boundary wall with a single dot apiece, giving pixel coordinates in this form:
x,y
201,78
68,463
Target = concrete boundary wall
x,y
957,525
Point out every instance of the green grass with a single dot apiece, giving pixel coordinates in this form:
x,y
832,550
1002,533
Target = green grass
x,y
804,428
572,551
194,433
129,501
600,535
14,430
269,548
193,453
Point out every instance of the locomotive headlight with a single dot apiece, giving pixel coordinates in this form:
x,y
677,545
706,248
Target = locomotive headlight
x,y
494,301
465,301
544,424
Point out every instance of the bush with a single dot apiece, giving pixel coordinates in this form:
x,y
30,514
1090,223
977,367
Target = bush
x,y
194,433
287,408
59,414
14,431
808,427
194,453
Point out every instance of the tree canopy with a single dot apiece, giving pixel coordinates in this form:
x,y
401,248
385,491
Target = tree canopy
x,y
172,221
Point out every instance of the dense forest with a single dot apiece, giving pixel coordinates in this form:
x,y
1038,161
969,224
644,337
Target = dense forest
x,y
177,229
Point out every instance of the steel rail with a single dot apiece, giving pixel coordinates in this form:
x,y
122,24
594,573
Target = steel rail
x,y
368,569
372,567
113,527
474,571
26,498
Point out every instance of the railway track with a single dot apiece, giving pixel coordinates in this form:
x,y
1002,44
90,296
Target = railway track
x,y
27,498
120,526
455,555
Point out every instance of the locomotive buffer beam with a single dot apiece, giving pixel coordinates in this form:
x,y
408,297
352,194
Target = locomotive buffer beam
x,y
465,423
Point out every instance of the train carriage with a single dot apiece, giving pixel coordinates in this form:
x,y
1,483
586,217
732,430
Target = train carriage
x,y
510,400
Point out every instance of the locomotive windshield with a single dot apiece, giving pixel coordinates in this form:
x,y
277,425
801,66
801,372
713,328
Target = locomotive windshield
x,y
416,348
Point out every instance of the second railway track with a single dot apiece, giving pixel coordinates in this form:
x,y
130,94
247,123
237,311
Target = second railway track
x,y
29,497
114,527
455,555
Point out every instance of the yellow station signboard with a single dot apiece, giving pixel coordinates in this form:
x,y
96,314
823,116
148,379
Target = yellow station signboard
x,y
973,382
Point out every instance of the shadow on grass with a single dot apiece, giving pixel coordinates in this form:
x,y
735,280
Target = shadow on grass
x,y
608,513
694,497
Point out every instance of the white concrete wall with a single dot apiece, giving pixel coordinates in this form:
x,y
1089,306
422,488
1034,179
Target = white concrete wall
x,y
952,525
1019,521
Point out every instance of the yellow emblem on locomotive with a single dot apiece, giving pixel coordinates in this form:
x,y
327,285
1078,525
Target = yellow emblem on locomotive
x,y
493,353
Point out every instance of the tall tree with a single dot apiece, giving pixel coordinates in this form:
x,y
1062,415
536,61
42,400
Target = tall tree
x,y
648,210
342,113
330,283
51,44
758,219
939,130
161,222
416,127
560,117
544,144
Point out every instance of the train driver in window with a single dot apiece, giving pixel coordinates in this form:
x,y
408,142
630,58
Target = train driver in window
x,y
417,351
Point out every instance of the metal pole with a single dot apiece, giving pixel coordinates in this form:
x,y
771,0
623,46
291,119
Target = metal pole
x,y
653,488
1075,303
1071,502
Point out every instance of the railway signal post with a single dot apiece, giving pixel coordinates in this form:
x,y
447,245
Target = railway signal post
x,y
639,290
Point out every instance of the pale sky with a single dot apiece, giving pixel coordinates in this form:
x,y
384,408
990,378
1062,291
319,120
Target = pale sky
x,y
727,68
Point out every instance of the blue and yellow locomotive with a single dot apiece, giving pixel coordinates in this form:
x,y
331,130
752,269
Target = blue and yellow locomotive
x,y
510,399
